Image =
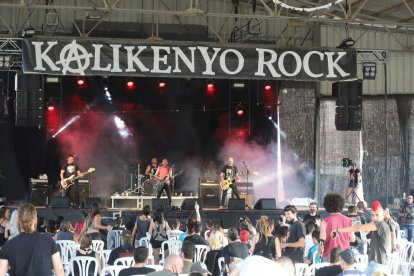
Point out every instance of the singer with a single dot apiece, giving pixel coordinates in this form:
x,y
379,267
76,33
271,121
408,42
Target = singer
x,y
229,175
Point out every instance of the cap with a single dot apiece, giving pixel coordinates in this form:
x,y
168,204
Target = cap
x,y
199,267
244,236
348,256
126,233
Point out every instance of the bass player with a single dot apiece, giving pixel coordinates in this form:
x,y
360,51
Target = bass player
x,y
164,176
68,169
229,175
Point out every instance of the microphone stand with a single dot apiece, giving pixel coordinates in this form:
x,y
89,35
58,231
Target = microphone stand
x,y
247,181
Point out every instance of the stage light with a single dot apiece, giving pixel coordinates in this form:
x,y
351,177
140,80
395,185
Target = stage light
x,y
369,70
240,110
210,87
267,87
81,82
162,84
130,84
50,105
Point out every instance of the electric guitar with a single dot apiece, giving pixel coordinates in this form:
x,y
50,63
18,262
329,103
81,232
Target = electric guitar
x,y
160,182
67,182
225,184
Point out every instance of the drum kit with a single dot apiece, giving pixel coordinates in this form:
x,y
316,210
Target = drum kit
x,y
137,183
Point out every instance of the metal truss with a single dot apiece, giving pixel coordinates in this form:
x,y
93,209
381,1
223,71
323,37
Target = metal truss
x,y
11,48
377,56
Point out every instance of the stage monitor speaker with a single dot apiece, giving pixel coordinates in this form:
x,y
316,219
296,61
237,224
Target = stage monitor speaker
x,y
237,204
87,202
40,196
189,203
160,203
265,204
59,202
229,220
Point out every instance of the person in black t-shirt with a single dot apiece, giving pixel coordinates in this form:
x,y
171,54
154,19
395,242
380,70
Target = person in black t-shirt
x,y
313,214
151,169
125,250
70,168
140,258
230,174
196,238
295,243
30,253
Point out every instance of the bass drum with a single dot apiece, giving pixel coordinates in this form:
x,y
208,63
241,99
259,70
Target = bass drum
x,y
148,187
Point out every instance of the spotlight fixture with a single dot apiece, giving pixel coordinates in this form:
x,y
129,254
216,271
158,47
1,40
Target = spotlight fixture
x,y
50,105
267,87
240,110
28,32
130,84
346,43
162,84
369,70
5,61
81,82
210,86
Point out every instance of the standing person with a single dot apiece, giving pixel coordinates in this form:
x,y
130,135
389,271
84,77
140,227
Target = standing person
x,y
354,186
229,174
264,243
164,176
142,225
313,214
12,228
334,203
93,222
295,243
151,168
70,168
30,253
406,217
380,238
158,231
4,220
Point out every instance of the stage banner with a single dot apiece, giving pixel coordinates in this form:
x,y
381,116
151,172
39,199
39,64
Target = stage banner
x,y
87,57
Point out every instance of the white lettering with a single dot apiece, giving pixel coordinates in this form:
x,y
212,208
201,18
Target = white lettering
x,y
306,63
223,65
209,61
332,64
158,59
180,54
261,62
97,59
42,56
115,50
133,59
281,63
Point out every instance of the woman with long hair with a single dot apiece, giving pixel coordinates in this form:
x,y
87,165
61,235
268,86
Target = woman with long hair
x,y
158,231
93,222
86,251
216,243
12,228
4,220
264,243
142,225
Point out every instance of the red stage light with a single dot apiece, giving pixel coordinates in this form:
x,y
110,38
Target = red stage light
x,y
210,87
162,84
268,87
130,85
240,111
50,108
81,82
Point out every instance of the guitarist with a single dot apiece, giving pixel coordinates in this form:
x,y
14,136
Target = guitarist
x,y
164,174
68,169
229,172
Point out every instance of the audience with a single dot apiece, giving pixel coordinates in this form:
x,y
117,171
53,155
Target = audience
x,y
172,267
12,228
187,253
140,259
201,268
142,225
158,232
295,243
347,259
196,237
4,220
65,231
264,243
313,214
125,250
175,231
334,267
314,249
93,222
216,242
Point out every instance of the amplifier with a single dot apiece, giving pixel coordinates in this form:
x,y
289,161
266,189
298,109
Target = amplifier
x,y
210,194
246,191
40,196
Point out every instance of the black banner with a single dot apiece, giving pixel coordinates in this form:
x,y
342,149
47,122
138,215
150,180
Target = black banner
x,y
85,57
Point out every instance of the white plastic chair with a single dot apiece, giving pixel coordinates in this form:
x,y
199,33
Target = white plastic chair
x,y
83,266
222,262
118,238
173,247
146,242
300,269
112,270
104,256
97,245
125,261
156,267
200,253
67,251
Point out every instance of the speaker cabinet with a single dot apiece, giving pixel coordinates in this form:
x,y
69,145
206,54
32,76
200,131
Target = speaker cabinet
x,y
40,196
210,195
29,100
59,202
84,190
265,204
189,203
161,203
87,202
236,204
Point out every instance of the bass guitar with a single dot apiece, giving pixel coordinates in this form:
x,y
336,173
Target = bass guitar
x,y
225,184
160,182
67,182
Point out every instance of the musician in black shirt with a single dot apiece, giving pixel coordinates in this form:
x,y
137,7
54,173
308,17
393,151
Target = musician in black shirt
x,y
68,170
230,174
151,168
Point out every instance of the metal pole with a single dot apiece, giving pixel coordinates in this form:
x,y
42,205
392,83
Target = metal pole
x,y
386,133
